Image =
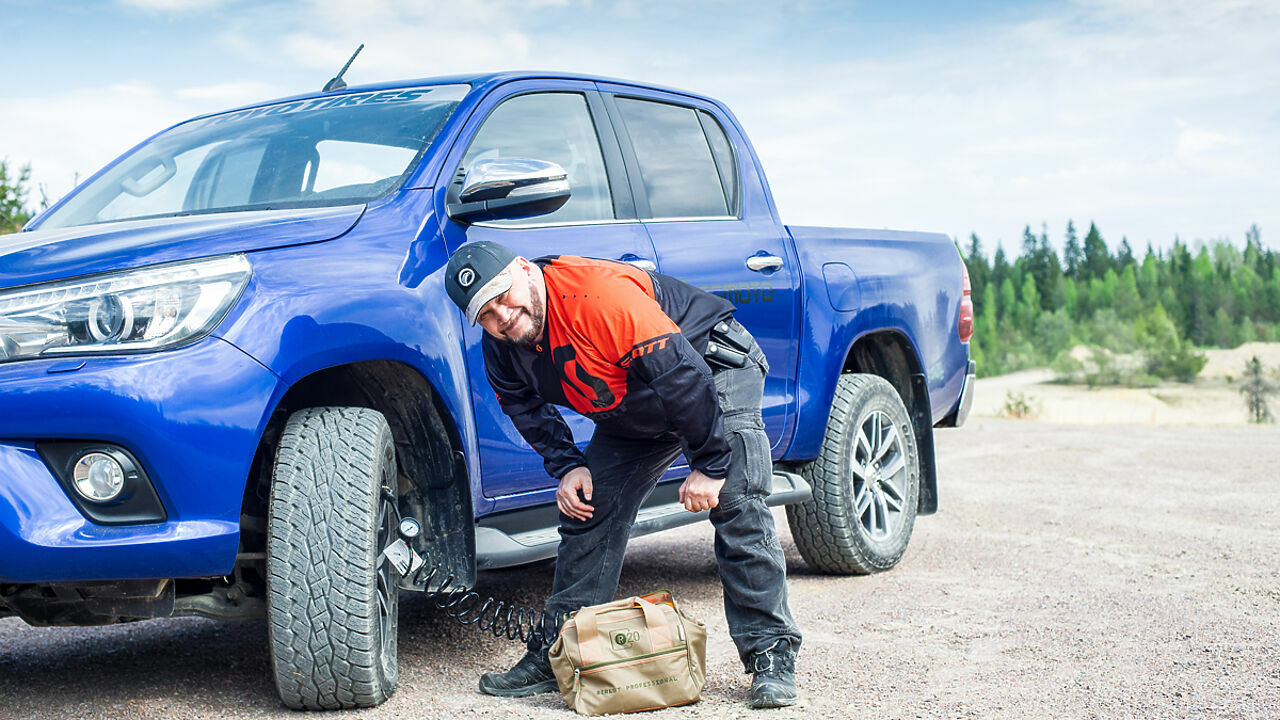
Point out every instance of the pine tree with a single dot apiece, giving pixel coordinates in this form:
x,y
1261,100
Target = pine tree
x,y
1072,255
1000,270
1050,281
1124,257
979,272
1149,279
1256,388
1253,249
1029,307
1097,260
1008,301
1201,302
1127,300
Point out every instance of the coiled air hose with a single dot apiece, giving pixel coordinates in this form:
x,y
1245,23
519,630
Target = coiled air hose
x,y
501,618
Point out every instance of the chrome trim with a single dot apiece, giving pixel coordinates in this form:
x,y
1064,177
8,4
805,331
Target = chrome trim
x,y
760,263
497,549
511,177
572,223
643,264
966,395
608,222
703,218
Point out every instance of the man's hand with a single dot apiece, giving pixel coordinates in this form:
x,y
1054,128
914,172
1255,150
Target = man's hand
x,y
699,492
567,499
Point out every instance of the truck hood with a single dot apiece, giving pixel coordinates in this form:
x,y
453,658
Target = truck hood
x,y
40,255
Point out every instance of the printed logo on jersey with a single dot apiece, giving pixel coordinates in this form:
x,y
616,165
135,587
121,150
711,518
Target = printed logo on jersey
x,y
645,348
575,378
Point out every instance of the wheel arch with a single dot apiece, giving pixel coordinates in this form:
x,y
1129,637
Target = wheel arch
x,y
889,354
434,486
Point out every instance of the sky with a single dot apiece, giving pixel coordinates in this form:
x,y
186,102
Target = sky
x,y
1154,119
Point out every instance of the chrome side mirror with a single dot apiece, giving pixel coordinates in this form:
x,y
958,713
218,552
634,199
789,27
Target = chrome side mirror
x,y
508,188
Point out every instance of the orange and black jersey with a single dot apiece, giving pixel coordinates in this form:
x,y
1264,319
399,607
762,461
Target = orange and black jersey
x,y
623,347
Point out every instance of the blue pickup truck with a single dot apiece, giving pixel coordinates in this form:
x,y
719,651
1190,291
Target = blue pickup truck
x,y
228,364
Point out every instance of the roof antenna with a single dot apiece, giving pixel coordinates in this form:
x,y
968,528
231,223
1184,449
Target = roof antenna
x,y
337,83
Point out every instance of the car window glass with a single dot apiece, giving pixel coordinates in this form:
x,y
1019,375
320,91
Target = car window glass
x,y
722,151
169,193
676,164
555,127
341,164
356,146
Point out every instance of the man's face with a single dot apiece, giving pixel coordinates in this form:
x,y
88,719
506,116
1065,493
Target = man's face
x,y
517,315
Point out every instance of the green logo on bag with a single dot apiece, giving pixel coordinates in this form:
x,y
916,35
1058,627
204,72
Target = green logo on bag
x,y
623,639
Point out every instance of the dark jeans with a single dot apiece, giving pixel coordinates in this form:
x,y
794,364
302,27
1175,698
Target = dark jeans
x,y
624,471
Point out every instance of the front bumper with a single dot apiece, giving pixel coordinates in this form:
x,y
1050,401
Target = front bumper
x,y
192,417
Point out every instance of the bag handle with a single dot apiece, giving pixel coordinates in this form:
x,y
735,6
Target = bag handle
x,y
589,627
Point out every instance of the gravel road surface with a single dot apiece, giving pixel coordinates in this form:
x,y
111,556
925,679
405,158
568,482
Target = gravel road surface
x,y
1073,572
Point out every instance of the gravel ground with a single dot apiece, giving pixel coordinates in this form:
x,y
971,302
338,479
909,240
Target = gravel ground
x,y
1074,572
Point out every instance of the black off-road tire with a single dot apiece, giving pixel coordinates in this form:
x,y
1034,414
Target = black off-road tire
x,y
849,526
331,607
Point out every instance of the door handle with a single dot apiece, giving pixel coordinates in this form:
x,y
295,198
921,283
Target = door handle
x,y
760,263
642,263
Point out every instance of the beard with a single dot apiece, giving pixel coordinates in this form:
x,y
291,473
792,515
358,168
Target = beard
x,y
537,313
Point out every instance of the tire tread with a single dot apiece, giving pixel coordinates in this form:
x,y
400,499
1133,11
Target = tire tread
x,y
323,620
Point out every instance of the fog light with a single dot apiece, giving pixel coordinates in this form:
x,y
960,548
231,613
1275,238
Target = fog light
x,y
98,477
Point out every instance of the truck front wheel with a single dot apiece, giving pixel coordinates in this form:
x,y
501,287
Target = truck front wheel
x,y
866,482
331,605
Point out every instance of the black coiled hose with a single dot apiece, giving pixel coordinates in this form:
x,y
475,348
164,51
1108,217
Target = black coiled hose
x,y
503,618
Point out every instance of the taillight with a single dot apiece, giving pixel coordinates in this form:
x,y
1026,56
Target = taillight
x,y
966,307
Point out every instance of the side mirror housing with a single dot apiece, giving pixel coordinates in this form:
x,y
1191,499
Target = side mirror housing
x,y
509,188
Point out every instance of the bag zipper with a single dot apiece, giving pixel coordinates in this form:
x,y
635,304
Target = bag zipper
x,y
596,667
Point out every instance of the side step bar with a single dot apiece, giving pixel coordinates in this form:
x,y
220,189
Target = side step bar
x,y
525,536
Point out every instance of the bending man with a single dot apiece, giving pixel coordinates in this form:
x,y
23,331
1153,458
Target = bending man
x,y
626,348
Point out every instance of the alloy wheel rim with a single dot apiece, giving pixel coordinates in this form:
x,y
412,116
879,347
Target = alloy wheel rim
x,y
879,476
386,582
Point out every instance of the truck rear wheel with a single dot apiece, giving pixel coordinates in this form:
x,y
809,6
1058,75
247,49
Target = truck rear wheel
x,y
866,482
331,605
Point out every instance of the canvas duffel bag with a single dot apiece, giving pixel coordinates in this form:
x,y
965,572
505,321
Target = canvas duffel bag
x,y
638,653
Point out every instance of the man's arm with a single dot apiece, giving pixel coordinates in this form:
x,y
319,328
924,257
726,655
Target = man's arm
x,y
683,383
537,421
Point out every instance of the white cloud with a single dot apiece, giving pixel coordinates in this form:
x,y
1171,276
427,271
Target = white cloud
x,y
1193,141
229,93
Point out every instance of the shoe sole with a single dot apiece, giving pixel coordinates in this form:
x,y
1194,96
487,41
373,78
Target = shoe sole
x,y
545,686
781,703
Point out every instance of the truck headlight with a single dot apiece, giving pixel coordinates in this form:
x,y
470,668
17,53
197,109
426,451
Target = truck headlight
x,y
151,308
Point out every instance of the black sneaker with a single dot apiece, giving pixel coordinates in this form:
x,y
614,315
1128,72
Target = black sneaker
x,y
773,681
530,676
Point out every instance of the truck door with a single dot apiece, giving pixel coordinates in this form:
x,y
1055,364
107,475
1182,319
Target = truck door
x,y
554,121
703,204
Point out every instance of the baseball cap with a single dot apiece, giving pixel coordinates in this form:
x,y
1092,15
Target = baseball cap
x,y
477,273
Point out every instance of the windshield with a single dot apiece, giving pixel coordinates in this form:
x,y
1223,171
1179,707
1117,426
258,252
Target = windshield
x,y
333,150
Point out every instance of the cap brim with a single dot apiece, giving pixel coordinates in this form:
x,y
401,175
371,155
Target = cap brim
x,y
490,290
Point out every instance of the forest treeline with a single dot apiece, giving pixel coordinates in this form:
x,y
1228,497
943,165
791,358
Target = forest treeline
x,y
1144,315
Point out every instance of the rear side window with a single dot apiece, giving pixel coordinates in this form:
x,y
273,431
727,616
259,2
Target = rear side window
x,y
679,170
555,127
